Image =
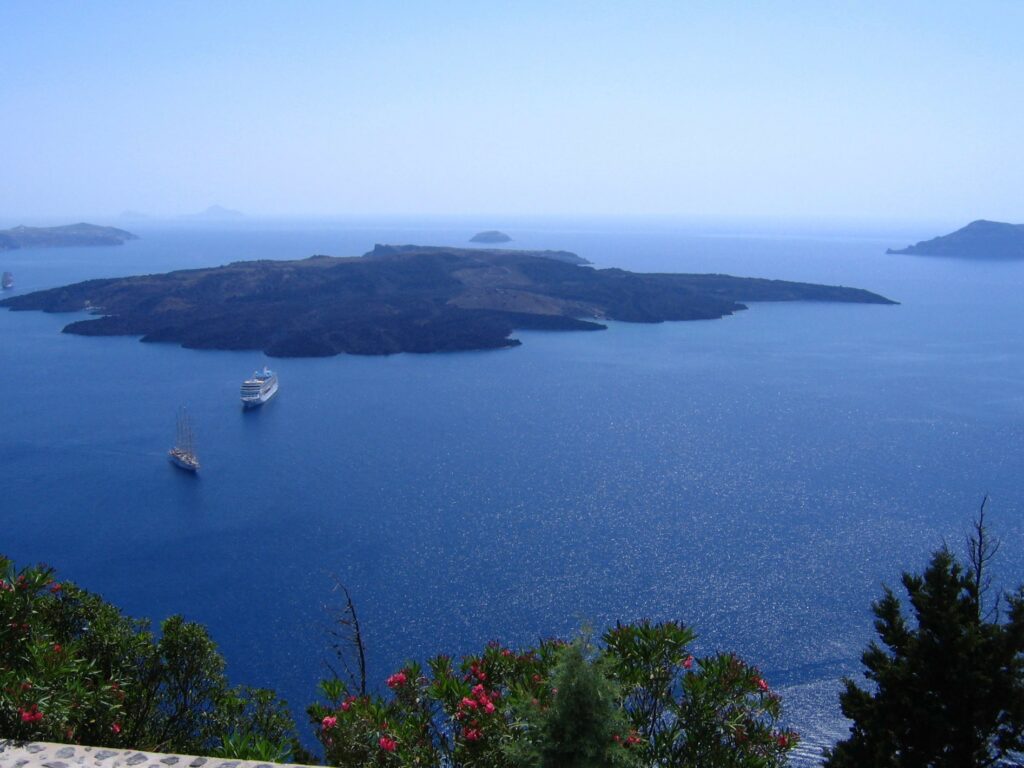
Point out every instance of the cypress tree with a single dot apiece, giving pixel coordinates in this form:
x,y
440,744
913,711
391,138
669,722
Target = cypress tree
x,y
948,688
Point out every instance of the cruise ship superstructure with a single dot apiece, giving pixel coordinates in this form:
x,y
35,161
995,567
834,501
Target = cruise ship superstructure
x,y
260,388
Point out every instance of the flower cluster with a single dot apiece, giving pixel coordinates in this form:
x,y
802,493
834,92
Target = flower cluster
x,y
30,715
631,739
397,680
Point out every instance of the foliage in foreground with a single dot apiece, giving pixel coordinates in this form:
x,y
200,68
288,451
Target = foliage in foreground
x,y
948,689
75,669
638,698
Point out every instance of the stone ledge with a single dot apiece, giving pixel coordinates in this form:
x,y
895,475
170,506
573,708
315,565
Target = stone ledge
x,y
41,754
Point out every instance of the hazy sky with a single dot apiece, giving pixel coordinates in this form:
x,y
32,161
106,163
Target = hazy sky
x,y
889,109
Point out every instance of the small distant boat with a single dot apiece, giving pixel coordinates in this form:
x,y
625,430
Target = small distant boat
x,y
260,388
7,281
183,454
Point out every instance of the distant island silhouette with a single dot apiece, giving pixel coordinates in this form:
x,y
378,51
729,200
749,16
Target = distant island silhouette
x,y
215,213
67,236
401,299
490,236
978,240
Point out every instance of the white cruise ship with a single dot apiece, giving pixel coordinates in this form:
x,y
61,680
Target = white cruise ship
x,y
260,388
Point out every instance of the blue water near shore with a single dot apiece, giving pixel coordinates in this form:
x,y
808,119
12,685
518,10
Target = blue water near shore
x,y
758,476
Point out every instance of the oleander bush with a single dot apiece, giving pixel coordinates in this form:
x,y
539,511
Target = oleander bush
x,y
74,669
636,698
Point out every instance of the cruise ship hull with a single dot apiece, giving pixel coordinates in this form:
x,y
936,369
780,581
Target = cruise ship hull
x,y
258,400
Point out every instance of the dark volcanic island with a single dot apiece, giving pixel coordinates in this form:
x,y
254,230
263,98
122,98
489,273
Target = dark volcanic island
x,y
70,235
978,240
401,299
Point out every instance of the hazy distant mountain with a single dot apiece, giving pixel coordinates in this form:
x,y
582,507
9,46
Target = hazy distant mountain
x,y
978,240
215,213
490,236
69,235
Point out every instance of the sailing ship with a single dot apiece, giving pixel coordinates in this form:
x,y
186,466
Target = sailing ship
x,y
7,281
183,454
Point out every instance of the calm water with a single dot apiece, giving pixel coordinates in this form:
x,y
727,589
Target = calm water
x,y
758,476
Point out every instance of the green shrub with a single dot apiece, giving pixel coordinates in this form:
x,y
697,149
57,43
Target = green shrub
x,y
74,669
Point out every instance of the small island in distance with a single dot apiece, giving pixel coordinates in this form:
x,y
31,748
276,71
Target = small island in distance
x,y
490,236
69,235
401,299
215,213
978,240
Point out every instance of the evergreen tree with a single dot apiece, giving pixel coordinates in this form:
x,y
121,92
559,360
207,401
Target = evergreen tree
x,y
584,726
948,689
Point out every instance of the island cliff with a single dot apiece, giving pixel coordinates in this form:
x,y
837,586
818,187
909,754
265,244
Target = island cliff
x,y
401,299
978,240
70,235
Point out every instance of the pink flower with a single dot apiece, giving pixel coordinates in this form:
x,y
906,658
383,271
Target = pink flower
x,y
783,740
472,734
489,708
688,662
57,648
30,715
56,587
468,703
507,653
762,684
346,705
387,744
116,728
329,722
397,680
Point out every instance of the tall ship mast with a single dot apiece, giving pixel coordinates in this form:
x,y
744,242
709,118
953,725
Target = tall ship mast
x,y
183,454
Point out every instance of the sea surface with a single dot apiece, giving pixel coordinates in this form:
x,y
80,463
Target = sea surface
x,y
758,477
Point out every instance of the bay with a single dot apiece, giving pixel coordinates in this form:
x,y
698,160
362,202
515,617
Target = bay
x,y
758,477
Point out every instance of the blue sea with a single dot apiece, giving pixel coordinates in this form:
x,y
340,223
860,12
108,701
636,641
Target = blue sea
x,y
758,477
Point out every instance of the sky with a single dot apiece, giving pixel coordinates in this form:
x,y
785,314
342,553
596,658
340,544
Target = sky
x,y
776,109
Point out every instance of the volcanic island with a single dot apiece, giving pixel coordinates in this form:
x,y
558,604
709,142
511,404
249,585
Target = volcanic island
x,y
404,298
